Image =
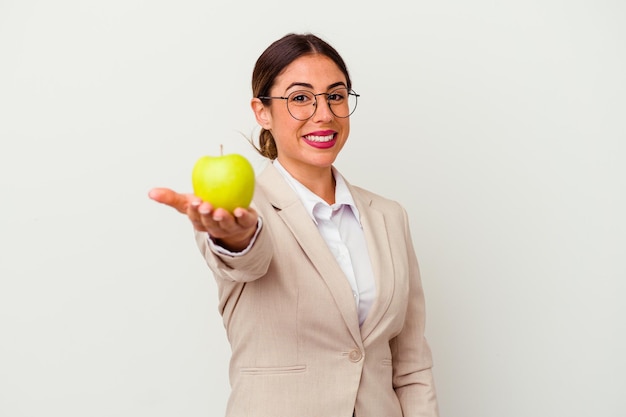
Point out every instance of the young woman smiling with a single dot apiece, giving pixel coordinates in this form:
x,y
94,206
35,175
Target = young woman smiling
x,y
319,285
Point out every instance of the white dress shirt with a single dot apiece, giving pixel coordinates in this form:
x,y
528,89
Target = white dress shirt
x,y
340,226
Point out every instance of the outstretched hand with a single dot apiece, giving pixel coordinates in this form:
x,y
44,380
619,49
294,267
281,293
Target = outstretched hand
x,y
233,231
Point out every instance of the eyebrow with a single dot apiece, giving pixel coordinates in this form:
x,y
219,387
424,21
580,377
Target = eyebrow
x,y
307,85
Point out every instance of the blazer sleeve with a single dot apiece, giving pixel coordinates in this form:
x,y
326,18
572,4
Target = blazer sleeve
x,y
245,268
412,360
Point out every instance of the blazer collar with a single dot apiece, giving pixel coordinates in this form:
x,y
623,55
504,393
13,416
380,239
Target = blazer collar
x,y
310,199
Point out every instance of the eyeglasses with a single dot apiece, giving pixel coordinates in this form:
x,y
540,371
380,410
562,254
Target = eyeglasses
x,y
302,104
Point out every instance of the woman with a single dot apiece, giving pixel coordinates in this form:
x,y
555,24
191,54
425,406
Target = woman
x,y
318,281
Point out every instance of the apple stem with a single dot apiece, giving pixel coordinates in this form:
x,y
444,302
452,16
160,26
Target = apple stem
x,y
221,149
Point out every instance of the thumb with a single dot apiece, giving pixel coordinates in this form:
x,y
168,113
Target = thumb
x,y
170,198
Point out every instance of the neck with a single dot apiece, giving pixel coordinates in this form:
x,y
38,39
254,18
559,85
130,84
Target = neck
x,y
319,180
324,189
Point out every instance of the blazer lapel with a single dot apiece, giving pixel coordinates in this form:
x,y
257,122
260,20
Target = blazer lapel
x,y
293,213
377,239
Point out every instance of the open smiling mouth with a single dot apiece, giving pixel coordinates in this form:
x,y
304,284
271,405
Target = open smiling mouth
x,y
320,139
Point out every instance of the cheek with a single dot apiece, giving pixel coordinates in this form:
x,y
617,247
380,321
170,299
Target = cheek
x,y
345,128
281,120
285,125
286,132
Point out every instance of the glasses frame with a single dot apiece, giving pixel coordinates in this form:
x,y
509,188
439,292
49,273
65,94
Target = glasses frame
x,y
351,92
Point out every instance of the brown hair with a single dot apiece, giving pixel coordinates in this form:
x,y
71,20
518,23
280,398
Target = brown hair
x,y
273,61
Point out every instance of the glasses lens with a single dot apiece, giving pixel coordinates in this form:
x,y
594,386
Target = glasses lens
x,y
341,102
302,104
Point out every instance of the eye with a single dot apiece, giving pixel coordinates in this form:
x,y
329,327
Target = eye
x,y
336,96
300,97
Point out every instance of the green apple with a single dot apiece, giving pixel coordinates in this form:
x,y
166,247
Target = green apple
x,y
225,181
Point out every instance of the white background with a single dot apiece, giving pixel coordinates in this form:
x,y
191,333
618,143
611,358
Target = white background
x,y
500,126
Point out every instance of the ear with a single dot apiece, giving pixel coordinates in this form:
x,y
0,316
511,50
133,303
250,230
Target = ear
x,y
261,113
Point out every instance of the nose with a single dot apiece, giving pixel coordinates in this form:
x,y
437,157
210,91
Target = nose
x,y
322,111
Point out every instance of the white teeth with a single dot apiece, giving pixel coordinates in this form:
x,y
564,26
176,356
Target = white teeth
x,y
319,138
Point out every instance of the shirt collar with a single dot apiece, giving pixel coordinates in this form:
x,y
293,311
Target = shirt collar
x,y
310,199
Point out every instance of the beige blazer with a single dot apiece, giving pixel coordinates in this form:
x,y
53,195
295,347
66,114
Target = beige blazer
x,y
291,320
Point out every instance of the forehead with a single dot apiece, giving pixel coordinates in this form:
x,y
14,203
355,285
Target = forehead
x,y
317,70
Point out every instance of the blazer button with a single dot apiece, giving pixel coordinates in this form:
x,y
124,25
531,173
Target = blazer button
x,y
355,355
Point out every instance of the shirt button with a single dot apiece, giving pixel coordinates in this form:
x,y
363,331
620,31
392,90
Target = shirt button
x,y
355,355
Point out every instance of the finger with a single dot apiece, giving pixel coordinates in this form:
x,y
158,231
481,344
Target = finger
x,y
199,214
246,218
237,227
217,222
170,198
222,219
